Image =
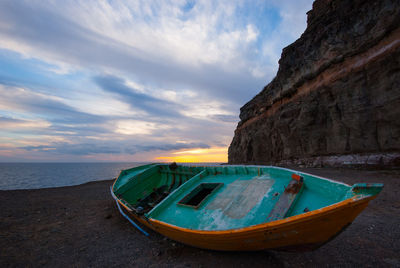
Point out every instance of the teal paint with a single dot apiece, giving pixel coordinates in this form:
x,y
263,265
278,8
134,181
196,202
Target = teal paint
x,y
247,194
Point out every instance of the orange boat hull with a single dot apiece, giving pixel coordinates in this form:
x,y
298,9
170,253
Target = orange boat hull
x,y
297,233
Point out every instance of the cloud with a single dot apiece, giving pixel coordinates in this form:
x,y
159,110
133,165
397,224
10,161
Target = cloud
x,y
225,117
38,118
135,77
52,107
160,51
18,124
170,147
137,100
108,148
73,149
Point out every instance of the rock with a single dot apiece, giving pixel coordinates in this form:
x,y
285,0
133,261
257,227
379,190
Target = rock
x,y
335,100
156,252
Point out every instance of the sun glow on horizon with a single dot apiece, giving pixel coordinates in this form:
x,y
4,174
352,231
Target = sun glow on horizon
x,y
216,154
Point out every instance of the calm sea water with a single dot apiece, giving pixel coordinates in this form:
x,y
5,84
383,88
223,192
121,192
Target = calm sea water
x,y
43,175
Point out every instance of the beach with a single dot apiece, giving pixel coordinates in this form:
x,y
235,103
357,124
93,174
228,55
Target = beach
x,y
80,226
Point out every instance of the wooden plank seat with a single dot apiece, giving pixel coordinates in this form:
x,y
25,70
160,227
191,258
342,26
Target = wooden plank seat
x,y
287,199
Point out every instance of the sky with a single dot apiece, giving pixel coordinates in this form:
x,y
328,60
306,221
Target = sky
x,y
134,81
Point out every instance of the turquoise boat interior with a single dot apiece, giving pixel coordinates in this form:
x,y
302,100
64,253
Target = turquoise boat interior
x,y
227,197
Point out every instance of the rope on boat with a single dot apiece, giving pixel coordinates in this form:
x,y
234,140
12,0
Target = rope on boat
x,y
126,216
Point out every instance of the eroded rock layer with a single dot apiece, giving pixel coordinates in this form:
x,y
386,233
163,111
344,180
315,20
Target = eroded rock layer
x,y
336,97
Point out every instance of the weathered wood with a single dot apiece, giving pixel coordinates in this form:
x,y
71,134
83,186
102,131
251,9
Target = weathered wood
x,y
240,197
287,199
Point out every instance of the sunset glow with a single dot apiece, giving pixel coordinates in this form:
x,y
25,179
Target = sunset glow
x,y
217,154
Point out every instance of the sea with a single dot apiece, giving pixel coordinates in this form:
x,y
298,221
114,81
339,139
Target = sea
x,y
18,176
44,175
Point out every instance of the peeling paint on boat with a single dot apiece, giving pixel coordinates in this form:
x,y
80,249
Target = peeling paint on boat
x,y
236,215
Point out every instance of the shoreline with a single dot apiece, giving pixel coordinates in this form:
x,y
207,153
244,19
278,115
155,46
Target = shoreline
x,y
80,226
58,187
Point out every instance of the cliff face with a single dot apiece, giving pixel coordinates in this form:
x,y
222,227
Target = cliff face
x,y
336,97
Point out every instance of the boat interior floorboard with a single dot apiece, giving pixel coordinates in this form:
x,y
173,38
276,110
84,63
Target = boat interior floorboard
x,y
241,201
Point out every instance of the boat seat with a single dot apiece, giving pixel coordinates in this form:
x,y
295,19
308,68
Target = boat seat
x,y
287,199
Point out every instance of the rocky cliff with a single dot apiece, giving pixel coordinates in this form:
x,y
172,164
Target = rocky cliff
x,y
336,97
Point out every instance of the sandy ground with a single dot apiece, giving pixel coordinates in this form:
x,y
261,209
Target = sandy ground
x,y
80,226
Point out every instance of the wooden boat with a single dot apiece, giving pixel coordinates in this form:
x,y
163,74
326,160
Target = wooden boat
x,y
240,207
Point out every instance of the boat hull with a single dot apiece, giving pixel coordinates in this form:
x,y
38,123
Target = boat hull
x,y
240,208
303,232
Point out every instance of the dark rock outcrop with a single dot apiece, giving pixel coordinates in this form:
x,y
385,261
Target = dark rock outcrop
x,y
336,97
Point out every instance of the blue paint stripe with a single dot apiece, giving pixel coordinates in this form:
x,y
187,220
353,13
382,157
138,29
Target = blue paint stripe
x,y
126,216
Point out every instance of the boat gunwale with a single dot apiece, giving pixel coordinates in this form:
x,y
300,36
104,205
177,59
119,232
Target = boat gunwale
x,y
256,166
292,170
124,170
273,167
